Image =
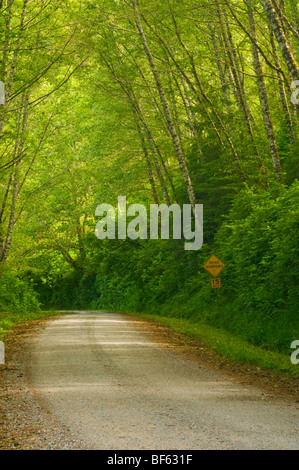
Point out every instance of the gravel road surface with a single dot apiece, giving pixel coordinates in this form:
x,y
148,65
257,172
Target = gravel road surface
x,y
104,378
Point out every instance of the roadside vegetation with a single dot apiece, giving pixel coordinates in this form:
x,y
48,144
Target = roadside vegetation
x,y
163,102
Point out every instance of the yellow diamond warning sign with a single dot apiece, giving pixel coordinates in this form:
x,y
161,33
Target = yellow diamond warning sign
x,y
214,266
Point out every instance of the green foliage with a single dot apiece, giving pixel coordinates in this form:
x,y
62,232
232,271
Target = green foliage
x,y
90,116
259,300
9,319
259,242
228,345
16,295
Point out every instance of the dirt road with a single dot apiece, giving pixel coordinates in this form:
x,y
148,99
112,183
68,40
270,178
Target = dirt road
x,y
102,376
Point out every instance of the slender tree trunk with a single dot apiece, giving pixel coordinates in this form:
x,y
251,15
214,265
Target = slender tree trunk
x,y
189,113
137,110
188,107
295,14
148,165
279,6
283,43
222,76
175,110
282,92
236,74
80,229
166,170
2,212
15,184
241,173
175,138
264,97
8,76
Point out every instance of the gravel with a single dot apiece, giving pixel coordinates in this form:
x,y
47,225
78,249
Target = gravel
x,y
96,380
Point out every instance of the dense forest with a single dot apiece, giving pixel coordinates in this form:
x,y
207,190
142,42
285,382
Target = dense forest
x,y
163,102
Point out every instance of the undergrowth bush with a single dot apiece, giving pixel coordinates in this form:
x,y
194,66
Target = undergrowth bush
x,y
259,243
17,295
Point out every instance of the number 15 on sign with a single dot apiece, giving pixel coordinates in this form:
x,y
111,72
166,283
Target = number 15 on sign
x,y
216,283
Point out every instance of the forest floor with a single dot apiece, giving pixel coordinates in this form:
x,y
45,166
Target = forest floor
x,y
136,379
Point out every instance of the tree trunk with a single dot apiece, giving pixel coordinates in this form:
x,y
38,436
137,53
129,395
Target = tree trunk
x,y
15,182
282,92
264,97
283,43
175,138
236,75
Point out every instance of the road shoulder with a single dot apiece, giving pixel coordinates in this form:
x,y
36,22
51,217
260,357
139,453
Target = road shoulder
x,y
26,425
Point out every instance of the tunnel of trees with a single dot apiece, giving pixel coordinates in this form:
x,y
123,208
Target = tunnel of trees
x,y
164,102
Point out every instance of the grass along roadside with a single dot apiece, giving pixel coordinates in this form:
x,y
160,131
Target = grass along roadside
x,y
228,345
218,340
8,320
